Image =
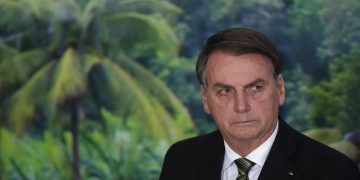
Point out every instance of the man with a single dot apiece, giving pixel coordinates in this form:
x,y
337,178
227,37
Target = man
x,y
242,88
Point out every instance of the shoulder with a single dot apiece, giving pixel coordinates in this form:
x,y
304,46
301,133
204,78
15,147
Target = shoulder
x,y
317,150
305,146
321,159
195,144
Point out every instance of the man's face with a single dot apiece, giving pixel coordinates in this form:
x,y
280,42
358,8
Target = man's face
x,y
242,95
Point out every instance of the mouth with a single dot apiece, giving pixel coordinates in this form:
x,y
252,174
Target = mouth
x,y
243,122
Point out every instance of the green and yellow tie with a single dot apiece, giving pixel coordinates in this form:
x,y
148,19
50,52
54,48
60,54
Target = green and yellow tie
x,y
243,165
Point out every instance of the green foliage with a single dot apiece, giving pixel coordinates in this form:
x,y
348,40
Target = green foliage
x,y
203,18
120,153
336,101
180,77
59,61
323,30
6,51
17,69
127,89
102,24
295,111
341,27
325,135
148,33
111,152
142,97
39,81
147,6
32,158
158,89
69,81
22,105
306,32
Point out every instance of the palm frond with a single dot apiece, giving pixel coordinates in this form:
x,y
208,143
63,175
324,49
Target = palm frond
x,y
89,12
69,80
20,67
121,94
129,31
6,52
89,61
25,102
158,89
10,9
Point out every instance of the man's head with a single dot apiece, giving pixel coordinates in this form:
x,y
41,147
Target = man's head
x,y
241,83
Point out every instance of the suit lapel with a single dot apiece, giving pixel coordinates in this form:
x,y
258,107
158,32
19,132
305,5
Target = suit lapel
x,y
278,164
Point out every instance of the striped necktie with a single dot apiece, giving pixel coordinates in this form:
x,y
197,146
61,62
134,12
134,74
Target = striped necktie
x,y
243,165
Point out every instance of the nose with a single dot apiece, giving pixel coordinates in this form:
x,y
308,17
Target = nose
x,y
241,103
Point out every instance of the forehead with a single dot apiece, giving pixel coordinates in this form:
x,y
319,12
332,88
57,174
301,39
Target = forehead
x,y
243,68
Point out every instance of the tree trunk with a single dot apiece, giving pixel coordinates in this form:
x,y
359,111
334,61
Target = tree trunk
x,y
75,133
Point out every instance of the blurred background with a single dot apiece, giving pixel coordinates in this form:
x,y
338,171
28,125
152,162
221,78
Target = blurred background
x,y
99,89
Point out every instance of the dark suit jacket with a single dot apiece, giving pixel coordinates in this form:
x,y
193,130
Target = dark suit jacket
x,y
201,158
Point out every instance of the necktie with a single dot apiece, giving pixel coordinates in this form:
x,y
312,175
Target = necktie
x,y
244,165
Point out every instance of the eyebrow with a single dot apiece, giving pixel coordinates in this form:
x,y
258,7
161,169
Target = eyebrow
x,y
222,85
253,83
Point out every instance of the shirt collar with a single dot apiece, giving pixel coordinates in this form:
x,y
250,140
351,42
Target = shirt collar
x,y
258,156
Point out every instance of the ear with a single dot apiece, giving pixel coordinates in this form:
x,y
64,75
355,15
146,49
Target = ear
x,y
204,99
281,87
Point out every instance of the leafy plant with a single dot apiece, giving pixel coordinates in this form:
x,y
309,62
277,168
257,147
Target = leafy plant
x,y
63,55
114,151
336,101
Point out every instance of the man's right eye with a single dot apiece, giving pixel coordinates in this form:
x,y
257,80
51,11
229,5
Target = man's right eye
x,y
224,91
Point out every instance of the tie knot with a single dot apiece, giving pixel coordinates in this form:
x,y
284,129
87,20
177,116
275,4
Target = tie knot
x,y
244,165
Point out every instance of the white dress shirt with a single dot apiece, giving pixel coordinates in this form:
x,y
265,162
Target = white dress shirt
x,y
258,156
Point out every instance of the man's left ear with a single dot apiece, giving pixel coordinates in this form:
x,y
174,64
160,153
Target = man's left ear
x,y
281,86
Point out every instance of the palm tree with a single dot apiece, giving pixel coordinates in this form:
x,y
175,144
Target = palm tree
x,y
65,60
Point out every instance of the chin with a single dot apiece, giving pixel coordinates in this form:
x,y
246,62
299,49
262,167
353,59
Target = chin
x,y
245,135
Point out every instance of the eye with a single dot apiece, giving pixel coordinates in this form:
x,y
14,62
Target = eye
x,y
256,88
224,91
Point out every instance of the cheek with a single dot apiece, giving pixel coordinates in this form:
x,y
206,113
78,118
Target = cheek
x,y
267,104
219,103
219,109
